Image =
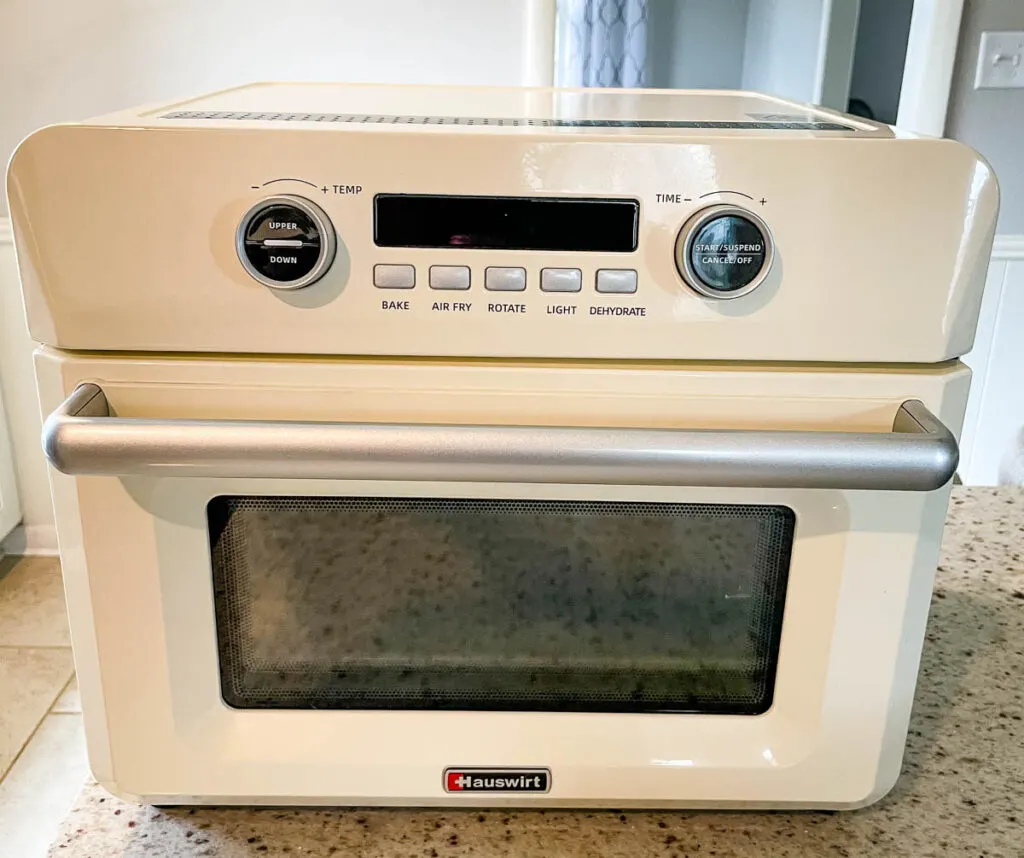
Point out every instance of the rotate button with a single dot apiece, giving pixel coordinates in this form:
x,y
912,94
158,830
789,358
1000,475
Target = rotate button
x,y
504,279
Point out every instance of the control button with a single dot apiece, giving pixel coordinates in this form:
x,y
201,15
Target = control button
x,y
505,279
561,280
724,251
620,280
449,277
394,276
283,267
285,242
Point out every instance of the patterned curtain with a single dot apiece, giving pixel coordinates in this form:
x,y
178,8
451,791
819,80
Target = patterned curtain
x,y
601,43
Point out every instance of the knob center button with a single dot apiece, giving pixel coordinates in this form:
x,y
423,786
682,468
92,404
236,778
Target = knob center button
x,y
724,252
286,242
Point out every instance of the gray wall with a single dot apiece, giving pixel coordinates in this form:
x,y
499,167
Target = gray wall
x,y
881,51
991,120
696,44
781,48
765,45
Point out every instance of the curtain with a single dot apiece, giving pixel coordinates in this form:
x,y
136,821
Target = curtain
x,y
601,43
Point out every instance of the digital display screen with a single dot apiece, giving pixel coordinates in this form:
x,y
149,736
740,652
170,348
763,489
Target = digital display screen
x,y
506,223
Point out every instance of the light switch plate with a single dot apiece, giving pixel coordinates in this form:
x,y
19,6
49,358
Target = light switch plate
x,y
1000,60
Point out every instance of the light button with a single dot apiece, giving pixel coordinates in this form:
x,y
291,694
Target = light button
x,y
505,279
449,277
616,280
561,280
394,276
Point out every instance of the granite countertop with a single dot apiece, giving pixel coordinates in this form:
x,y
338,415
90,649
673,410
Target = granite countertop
x,y
961,792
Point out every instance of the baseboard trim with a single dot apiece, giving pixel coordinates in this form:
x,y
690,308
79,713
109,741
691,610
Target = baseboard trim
x,y
1008,247
32,539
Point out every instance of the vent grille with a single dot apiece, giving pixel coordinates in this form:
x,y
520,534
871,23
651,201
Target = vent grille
x,y
494,122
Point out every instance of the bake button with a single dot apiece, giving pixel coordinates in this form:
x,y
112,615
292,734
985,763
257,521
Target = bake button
x,y
449,277
505,279
561,280
621,280
394,276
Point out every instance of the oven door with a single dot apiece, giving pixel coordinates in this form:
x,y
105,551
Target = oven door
x,y
355,582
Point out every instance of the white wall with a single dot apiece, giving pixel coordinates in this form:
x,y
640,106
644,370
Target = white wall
x,y
995,412
837,41
65,59
991,120
800,49
17,386
696,44
881,49
783,47
10,507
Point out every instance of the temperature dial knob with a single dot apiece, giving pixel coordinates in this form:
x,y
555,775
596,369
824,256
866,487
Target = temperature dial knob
x,y
724,251
285,242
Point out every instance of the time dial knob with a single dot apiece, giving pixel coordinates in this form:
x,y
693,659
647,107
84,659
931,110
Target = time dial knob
x,y
724,251
285,242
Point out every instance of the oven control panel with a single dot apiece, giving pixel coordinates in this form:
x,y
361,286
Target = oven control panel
x,y
722,251
530,241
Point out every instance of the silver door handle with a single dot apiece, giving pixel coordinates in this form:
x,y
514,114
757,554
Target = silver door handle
x,y
83,437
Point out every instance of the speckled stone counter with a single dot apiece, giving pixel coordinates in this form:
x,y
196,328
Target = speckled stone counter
x,y
961,793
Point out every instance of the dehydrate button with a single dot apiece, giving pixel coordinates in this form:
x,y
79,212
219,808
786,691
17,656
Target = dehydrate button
x,y
616,280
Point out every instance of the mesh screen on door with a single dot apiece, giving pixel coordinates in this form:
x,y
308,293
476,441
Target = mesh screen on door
x,y
385,603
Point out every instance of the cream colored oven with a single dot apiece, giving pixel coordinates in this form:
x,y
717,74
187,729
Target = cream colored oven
x,y
472,447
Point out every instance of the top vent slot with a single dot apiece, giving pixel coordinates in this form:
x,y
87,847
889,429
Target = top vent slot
x,y
494,122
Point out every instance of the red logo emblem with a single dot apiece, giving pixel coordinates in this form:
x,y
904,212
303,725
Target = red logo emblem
x,y
497,780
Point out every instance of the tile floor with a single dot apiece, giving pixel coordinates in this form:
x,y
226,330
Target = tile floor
x,y
42,747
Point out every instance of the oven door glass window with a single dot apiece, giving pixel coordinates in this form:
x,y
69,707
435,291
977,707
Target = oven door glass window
x,y
385,603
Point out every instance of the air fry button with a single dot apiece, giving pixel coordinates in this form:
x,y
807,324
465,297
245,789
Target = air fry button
x,y
285,242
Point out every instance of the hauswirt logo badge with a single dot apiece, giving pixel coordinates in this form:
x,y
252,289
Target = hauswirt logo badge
x,y
497,780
